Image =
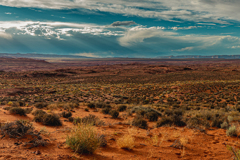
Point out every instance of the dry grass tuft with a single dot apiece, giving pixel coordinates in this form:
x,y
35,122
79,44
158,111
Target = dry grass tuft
x,y
126,142
83,139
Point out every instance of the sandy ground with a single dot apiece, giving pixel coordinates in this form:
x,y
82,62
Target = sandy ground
x,y
198,145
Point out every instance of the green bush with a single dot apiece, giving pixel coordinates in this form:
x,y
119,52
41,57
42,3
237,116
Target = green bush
x,y
83,139
17,110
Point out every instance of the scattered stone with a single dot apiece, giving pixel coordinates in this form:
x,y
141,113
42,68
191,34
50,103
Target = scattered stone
x,y
37,152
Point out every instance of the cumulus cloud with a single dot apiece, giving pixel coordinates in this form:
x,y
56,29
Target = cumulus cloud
x,y
122,23
58,30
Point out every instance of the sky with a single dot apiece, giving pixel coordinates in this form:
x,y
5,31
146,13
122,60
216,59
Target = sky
x,y
120,28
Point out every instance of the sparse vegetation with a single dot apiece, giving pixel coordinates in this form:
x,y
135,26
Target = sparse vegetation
x,y
66,114
41,105
126,142
140,122
121,108
51,120
152,116
18,110
20,129
232,131
201,99
114,113
83,139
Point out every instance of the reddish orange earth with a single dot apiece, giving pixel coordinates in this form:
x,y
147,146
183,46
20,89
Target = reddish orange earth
x,y
149,144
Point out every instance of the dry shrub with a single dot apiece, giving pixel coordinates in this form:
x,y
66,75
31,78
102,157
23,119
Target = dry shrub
x,y
235,152
17,129
91,105
41,105
140,122
66,114
114,114
122,108
83,139
38,112
152,116
47,119
91,119
18,110
126,142
28,110
164,121
232,131
51,120
22,129
106,110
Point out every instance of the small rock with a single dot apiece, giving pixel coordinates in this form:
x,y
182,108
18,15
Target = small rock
x,y
37,152
113,139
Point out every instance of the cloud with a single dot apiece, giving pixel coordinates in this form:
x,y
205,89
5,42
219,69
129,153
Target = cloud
x,y
122,23
95,40
138,34
5,35
184,49
212,11
167,41
58,30
92,55
185,28
235,47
